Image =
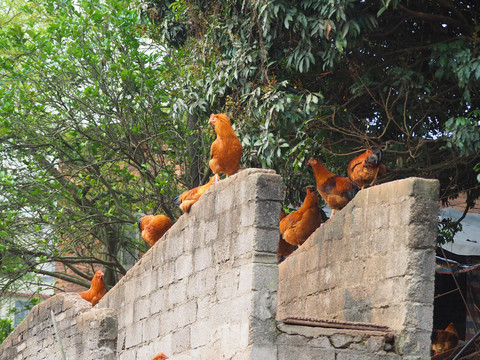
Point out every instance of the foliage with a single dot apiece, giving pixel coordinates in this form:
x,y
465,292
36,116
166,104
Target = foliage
x,y
87,141
465,135
447,228
310,77
104,107
6,327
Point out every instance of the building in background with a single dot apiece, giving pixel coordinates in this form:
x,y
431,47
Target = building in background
x,y
16,305
457,297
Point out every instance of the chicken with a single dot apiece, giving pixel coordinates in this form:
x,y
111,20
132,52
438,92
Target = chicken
x,y
444,340
364,169
337,191
299,225
226,150
160,356
153,227
97,289
190,197
284,248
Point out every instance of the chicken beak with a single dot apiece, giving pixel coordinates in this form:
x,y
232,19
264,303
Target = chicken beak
x,y
212,119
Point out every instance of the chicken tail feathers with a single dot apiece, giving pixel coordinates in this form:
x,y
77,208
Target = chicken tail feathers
x,y
176,200
353,192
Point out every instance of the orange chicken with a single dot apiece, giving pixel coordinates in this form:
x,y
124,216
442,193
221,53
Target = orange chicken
x,y
190,197
153,227
226,150
337,191
299,225
97,289
364,169
284,248
160,356
444,340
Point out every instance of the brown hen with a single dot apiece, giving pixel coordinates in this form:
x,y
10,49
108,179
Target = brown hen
x,y
160,356
190,197
153,227
299,225
226,150
364,169
284,249
444,340
337,191
97,289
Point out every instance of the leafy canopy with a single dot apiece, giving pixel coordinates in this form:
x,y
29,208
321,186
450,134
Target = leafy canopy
x,y
330,78
88,140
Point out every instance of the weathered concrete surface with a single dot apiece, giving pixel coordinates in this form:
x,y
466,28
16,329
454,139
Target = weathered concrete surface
x,y
372,262
208,288
85,333
314,343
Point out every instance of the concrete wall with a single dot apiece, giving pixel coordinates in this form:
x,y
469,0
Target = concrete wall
x,y
208,289
85,333
372,262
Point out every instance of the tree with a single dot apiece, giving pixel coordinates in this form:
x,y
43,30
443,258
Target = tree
x,y
88,141
310,77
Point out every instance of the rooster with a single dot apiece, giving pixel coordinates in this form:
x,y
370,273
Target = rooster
x,y
364,169
97,289
190,197
284,249
444,340
337,191
153,227
299,225
226,150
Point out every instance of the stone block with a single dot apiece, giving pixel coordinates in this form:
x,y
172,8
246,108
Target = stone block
x,y
244,243
202,259
265,239
181,340
185,314
177,293
288,352
183,266
259,184
151,328
263,352
134,335
141,308
423,235
146,283
200,333
173,249
265,277
227,284
267,214
222,250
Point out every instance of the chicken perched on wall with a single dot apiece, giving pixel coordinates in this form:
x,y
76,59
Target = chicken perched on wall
x,y
97,289
364,169
337,191
284,248
190,197
226,150
153,227
444,340
160,356
299,225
